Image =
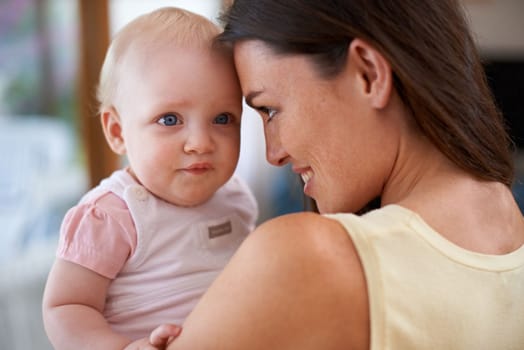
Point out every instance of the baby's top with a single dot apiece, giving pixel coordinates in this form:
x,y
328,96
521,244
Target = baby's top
x,y
161,257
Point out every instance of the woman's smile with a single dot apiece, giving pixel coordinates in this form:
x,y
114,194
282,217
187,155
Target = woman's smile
x,y
306,174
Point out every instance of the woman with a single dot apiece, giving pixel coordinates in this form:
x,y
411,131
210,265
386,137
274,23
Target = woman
x,y
372,99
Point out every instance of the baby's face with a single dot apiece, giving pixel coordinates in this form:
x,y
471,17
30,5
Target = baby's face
x,y
180,111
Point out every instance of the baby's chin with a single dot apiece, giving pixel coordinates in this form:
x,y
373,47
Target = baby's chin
x,y
191,199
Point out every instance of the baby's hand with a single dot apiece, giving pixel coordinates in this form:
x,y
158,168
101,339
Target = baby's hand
x,y
164,334
158,340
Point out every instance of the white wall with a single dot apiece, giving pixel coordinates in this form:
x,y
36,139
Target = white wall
x,y
123,11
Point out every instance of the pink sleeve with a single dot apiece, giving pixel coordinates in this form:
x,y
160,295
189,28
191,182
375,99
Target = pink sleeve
x,y
98,235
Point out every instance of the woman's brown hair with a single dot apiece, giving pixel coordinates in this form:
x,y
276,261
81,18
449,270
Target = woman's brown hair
x,y
436,66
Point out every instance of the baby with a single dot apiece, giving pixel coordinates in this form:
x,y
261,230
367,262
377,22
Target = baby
x,y
140,249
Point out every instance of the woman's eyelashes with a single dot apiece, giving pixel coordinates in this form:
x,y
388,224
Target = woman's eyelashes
x,y
169,119
267,112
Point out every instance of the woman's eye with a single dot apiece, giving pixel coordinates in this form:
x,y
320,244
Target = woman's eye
x,y
268,111
169,120
271,114
223,118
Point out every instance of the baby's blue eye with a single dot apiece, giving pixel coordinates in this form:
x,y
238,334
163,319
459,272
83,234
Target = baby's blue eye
x,y
223,118
168,120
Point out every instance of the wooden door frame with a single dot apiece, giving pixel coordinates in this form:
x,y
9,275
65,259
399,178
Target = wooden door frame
x,y
94,40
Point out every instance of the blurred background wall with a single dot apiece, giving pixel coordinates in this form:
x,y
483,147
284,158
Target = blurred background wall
x,y
51,150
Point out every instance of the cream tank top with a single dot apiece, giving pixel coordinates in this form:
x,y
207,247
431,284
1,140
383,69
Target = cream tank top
x,y
428,293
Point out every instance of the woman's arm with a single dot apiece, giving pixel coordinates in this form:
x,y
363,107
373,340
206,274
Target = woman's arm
x,y
295,283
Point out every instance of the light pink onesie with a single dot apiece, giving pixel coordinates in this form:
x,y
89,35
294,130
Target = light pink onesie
x,y
161,257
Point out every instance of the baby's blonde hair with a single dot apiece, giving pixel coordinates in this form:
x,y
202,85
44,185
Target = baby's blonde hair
x,y
164,26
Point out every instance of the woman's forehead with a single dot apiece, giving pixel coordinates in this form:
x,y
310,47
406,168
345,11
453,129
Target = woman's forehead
x,y
259,67
251,52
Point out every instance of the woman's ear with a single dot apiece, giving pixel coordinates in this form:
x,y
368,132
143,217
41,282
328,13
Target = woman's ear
x,y
112,127
374,72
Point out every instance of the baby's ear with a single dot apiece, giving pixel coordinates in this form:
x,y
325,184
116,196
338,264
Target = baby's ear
x,y
374,70
113,130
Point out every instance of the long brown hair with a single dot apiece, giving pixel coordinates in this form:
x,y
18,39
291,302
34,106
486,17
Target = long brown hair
x,y
436,66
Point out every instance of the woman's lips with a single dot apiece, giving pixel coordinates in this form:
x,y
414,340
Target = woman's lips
x,y
306,174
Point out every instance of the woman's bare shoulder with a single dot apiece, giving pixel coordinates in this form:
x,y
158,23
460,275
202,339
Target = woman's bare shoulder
x,y
305,236
296,282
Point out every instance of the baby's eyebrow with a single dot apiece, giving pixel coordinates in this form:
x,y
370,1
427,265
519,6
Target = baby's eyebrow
x,y
251,96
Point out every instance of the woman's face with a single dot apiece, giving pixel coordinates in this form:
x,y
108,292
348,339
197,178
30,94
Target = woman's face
x,y
323,127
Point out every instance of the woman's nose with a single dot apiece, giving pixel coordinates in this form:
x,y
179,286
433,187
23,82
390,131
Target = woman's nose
x,y
198,141
275,153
